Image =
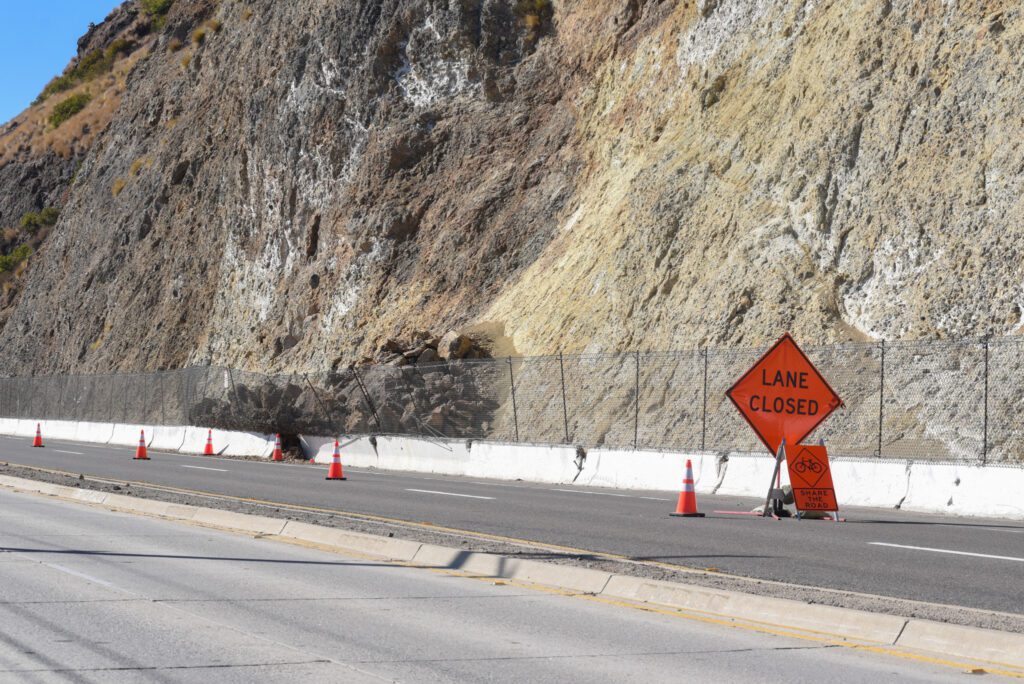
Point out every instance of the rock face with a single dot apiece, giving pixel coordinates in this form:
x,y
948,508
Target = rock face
x,y
282,185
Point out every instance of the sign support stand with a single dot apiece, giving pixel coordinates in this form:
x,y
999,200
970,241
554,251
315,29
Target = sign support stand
x,y
774,503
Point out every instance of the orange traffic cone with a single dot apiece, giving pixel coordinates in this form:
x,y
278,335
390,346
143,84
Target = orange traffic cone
x,y
38,441
208,451
278,455
140,451
335,472
687,506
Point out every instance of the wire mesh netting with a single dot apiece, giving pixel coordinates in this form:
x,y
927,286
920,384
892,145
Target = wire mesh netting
x,y
931,400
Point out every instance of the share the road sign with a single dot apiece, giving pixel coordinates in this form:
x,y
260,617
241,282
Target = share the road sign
x,y
811,477
783,396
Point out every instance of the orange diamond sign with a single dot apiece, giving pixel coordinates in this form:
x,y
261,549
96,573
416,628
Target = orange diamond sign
x,y
783,396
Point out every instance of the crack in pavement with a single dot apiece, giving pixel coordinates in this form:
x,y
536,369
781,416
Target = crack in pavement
x,y
638,654
162,668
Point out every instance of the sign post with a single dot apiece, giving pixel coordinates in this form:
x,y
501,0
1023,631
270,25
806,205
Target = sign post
x,y
783,398
775,500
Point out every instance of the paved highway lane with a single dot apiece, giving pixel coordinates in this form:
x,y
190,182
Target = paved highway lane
x,y
969,562
91,595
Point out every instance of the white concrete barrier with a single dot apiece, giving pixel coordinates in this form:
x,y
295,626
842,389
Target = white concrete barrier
x,y
128,435
622,469
440,458
27,428
548,464
868,482
748,475
987,490
167,438
926,487
96,433
58,429
194,441
355,451
247,444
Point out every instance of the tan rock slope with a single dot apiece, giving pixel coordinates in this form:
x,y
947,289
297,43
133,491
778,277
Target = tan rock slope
x,y
285,185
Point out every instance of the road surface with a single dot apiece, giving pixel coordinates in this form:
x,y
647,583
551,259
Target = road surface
x,y
975,563
92,595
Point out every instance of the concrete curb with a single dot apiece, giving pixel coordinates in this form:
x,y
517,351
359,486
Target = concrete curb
x,y
844,622
582,580
967,642
828,622
357,542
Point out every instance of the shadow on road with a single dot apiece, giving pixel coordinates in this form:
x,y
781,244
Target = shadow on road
x,y
85,552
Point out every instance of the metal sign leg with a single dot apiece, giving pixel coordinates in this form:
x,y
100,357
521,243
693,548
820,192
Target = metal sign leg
x,y
773,503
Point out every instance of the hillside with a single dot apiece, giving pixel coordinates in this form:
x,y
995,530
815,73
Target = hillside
x,y
286,185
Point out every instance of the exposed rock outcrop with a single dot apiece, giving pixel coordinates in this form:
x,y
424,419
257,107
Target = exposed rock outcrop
x,y
286,185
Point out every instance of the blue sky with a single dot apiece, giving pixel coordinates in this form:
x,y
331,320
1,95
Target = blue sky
x,y
37,40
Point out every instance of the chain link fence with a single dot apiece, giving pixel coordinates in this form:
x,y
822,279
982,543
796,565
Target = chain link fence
x,y
958,401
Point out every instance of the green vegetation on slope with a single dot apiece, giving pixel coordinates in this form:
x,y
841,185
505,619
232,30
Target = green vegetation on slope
x,y
33,221
11,261
157,10
95,64
68,108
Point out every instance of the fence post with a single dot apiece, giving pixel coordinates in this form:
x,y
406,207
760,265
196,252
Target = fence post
x,y
235,406
881,397
160,385
190,393
636,402
366,397
41,384
984,429
704,412
565,406
124,409
512,384
63,384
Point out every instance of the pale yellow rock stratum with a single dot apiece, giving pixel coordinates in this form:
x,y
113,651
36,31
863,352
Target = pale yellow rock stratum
x,y
841,170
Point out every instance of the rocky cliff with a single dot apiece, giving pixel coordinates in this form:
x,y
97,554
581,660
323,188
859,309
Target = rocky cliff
x,y
285,185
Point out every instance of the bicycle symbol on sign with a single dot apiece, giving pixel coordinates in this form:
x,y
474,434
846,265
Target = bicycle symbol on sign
x,y
807,464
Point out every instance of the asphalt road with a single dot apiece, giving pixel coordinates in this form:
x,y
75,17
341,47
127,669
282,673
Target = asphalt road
x,y
92,595
969,562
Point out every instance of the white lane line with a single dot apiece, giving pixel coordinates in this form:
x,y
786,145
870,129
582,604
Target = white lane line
x,y
81,575
464,496
580,491
949,551
76,453
216,470
621,496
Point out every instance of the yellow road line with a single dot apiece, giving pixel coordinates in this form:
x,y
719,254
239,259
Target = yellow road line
x,y
432,527
822,638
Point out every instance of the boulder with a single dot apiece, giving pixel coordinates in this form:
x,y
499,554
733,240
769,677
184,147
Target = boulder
x,y
454,346
428,356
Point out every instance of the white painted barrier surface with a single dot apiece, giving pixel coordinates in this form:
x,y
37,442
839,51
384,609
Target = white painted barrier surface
x,y
622,469
128,435
167,438
934,488
247,444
